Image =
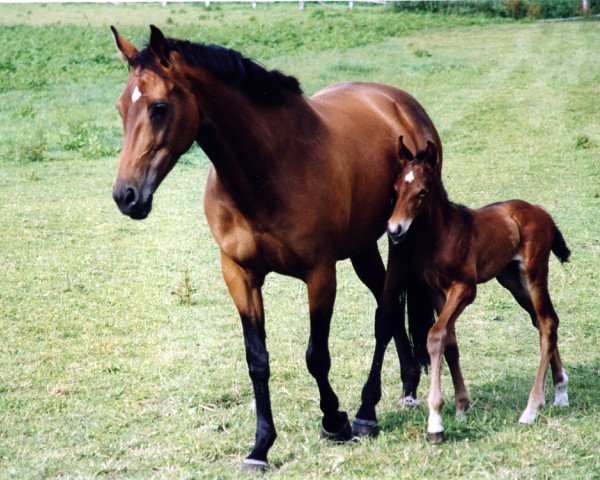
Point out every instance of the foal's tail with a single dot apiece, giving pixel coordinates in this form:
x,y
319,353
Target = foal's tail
x,y
559,246
420,318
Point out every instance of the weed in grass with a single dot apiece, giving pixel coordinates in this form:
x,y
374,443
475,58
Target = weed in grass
x,y
33,149
582,141
32,176
422,52
183,291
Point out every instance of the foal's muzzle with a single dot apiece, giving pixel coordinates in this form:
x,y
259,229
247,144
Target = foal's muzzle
x,y
130,201
397,234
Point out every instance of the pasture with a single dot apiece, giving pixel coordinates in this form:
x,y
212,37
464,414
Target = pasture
x,y
121,353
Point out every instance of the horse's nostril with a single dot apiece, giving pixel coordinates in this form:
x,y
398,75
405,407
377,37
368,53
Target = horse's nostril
x,y
129,197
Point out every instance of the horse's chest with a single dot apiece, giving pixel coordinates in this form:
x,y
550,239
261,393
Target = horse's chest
x,y
253,246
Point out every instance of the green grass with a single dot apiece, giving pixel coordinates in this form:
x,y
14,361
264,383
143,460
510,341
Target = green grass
x,y
121,355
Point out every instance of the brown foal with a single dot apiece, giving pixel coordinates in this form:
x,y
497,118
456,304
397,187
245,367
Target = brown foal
x,y
455,248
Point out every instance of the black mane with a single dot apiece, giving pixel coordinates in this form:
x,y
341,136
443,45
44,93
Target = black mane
x,y
230,67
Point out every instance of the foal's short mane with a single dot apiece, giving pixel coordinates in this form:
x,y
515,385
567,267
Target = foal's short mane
x,y
230,67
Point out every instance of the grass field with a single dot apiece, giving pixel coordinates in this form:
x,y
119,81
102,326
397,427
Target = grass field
x,y
121,355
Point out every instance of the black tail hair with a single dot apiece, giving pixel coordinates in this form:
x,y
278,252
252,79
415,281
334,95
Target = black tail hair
x,y
559,246
421,318
417,304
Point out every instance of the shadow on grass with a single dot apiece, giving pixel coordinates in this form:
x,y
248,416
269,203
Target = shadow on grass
x,y
497,405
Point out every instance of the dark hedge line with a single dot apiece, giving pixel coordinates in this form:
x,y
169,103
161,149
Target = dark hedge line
x,y
503,8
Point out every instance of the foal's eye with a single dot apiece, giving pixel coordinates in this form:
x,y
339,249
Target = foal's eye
x,y
423,193
158,110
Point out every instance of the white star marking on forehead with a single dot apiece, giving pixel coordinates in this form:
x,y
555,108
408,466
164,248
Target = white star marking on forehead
x,y
410,176
136,95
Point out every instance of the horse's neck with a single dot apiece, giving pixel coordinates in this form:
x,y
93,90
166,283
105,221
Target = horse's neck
x,y
250,143
434,223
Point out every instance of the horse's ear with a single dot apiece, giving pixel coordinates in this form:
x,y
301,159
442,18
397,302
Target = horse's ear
x,y
404,153
159,46
128,51
431,153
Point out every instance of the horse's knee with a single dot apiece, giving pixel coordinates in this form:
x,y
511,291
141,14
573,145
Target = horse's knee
x,y
318,361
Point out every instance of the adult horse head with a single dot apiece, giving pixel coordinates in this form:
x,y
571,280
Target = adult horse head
x,y
296,184
160,120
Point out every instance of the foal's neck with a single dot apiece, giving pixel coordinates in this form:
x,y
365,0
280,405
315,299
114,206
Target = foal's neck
x,y
433,222
252,144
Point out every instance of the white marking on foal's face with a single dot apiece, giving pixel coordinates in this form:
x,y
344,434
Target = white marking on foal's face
x,y
410,176
136,95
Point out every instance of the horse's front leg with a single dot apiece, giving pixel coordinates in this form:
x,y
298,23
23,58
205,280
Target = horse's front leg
x,y
388,322
245,289
458,296
321,283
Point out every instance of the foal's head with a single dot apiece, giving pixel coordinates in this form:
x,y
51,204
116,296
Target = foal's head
x,y
416,186
160,120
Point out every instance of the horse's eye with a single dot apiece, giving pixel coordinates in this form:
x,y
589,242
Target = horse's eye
x,y
423,193
158,110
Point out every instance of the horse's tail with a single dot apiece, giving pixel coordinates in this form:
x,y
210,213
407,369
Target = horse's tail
x,y
559,246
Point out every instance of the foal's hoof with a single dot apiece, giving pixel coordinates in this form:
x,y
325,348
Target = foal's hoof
x,y
340,434
251,465
436,437
364,428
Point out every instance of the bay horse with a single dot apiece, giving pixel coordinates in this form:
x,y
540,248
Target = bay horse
x,y
456,248
296,184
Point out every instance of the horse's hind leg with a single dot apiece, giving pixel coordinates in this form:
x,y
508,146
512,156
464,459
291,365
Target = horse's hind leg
x,y
387,320
513,280
370,270
321,283
535,272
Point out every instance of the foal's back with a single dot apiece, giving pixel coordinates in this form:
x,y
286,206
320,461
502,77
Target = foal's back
x,y
513,230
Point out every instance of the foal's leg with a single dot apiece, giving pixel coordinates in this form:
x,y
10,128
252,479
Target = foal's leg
x,y
461,395
321,283
370,270
512,279
457,298
245,289
387,320
536,275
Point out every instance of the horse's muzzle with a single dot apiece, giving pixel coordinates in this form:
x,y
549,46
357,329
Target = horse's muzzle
x,y
130,202
397,237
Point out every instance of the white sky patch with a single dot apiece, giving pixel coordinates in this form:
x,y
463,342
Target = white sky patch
x,y
136,95
410,176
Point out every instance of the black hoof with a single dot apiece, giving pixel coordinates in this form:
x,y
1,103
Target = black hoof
x,y
341,434
364,428
436,438
251,465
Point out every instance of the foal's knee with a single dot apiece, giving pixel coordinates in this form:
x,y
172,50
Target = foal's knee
x,y
435,341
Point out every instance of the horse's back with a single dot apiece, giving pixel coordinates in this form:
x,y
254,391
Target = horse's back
x,y
341,106
505,231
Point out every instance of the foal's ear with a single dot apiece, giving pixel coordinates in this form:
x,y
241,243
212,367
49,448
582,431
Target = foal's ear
x,y
404,153
159,46
128,51
431,153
